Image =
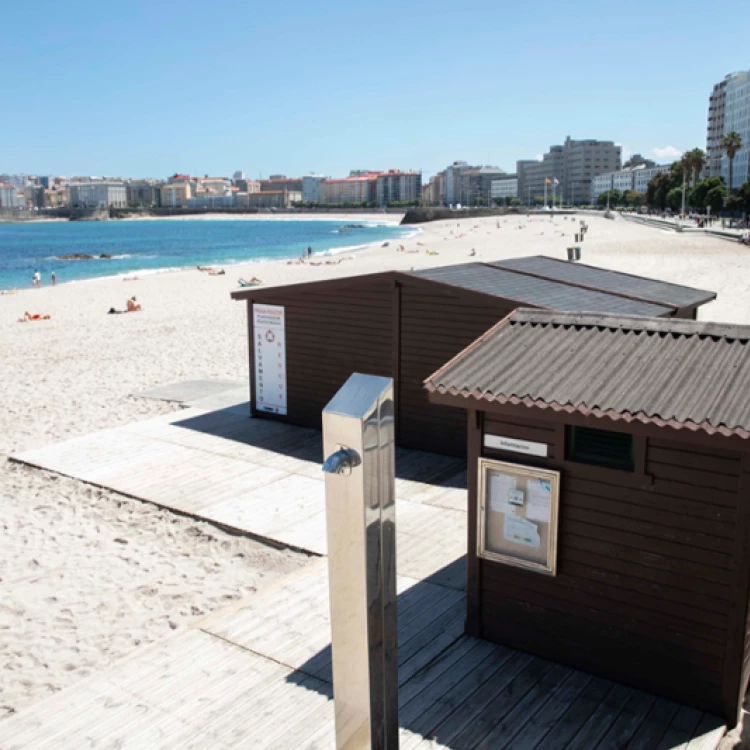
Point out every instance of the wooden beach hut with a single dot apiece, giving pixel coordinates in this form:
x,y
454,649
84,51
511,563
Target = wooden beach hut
x,y
609,496
306,339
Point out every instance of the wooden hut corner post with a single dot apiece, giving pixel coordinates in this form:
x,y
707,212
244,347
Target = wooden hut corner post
x,y
736,665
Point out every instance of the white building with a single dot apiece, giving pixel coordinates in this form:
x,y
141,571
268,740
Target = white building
x,y
631,178
311,192
737,119
505,187
729,110
644,175
97,195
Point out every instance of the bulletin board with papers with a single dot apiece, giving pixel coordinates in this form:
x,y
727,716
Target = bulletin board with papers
x,y
518,515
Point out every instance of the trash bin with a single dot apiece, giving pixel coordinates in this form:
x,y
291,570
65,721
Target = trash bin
x,y
574,253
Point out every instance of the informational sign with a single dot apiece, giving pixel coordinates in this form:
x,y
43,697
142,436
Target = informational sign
x,y
270,358
515,445
518,515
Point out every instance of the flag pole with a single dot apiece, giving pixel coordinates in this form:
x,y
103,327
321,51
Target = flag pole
x,y
545,193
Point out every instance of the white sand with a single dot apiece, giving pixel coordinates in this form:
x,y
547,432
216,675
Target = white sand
x,y
74,597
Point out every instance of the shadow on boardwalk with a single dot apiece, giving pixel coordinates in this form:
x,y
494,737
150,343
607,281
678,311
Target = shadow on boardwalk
x,y
306,444
461,692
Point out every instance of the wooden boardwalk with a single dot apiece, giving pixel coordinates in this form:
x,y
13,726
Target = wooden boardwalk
x,y
258,675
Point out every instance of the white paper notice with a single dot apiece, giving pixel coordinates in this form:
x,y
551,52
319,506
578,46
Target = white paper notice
x,y
538,492
270,358
501,485
521,531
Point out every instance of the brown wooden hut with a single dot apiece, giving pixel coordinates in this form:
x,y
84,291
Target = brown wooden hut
x,y
405,325
609,496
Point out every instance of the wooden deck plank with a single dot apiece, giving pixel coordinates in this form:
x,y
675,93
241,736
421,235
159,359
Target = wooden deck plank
x,y
536,730
601,719
654,726
526,708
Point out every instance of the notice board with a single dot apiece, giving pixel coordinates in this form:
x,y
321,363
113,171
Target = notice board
x,y
269,349
518,513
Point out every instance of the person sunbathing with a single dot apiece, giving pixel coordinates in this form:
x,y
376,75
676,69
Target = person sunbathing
x,y
255,281
214,272
133,306
36,316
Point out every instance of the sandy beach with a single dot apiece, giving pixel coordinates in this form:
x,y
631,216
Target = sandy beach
x,y
89,576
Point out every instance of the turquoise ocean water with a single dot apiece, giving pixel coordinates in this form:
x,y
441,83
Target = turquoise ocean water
x,y
142,247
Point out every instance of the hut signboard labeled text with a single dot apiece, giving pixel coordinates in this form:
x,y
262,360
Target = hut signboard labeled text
x,y
270,358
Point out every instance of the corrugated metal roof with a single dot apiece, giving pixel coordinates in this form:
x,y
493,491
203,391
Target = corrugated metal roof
x,y
610,281
679,373
538,292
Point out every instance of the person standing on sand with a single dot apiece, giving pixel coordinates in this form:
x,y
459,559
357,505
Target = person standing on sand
x,y
54,279
309,252
36,280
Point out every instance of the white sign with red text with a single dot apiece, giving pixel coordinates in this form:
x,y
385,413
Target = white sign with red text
x,y
270,358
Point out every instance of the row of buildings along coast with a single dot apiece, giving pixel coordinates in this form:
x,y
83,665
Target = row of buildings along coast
x,y
360,187
575,172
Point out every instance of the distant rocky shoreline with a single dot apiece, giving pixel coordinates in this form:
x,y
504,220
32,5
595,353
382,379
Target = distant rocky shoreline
x,y
83,256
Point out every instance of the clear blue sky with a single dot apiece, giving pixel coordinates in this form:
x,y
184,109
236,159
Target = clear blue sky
x,y
149,88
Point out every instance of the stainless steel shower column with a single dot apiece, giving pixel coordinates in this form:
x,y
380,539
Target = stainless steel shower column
x,y
358,442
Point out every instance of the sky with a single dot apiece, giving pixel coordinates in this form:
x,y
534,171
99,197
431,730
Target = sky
x,y
147,89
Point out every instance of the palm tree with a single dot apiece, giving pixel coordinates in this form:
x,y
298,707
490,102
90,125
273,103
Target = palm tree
x,y
697,162
731,143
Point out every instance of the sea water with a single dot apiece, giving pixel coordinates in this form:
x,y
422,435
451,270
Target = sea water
x,y
152,246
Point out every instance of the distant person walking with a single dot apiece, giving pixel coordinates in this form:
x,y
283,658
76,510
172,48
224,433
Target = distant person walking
x,y
309,252
36,280
54,279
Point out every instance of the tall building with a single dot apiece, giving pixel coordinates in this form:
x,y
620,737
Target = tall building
x,y
311,188
396,186
97,195
475,185
728,111
452,181
573,165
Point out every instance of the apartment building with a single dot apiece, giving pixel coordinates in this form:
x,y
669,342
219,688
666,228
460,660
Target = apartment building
x,y
311,192
176,194
272,199
573,164
10,197
630,178
352,189
397,186
101,194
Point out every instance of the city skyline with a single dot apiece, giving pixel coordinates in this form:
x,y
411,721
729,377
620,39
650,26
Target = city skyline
x,y
167,87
